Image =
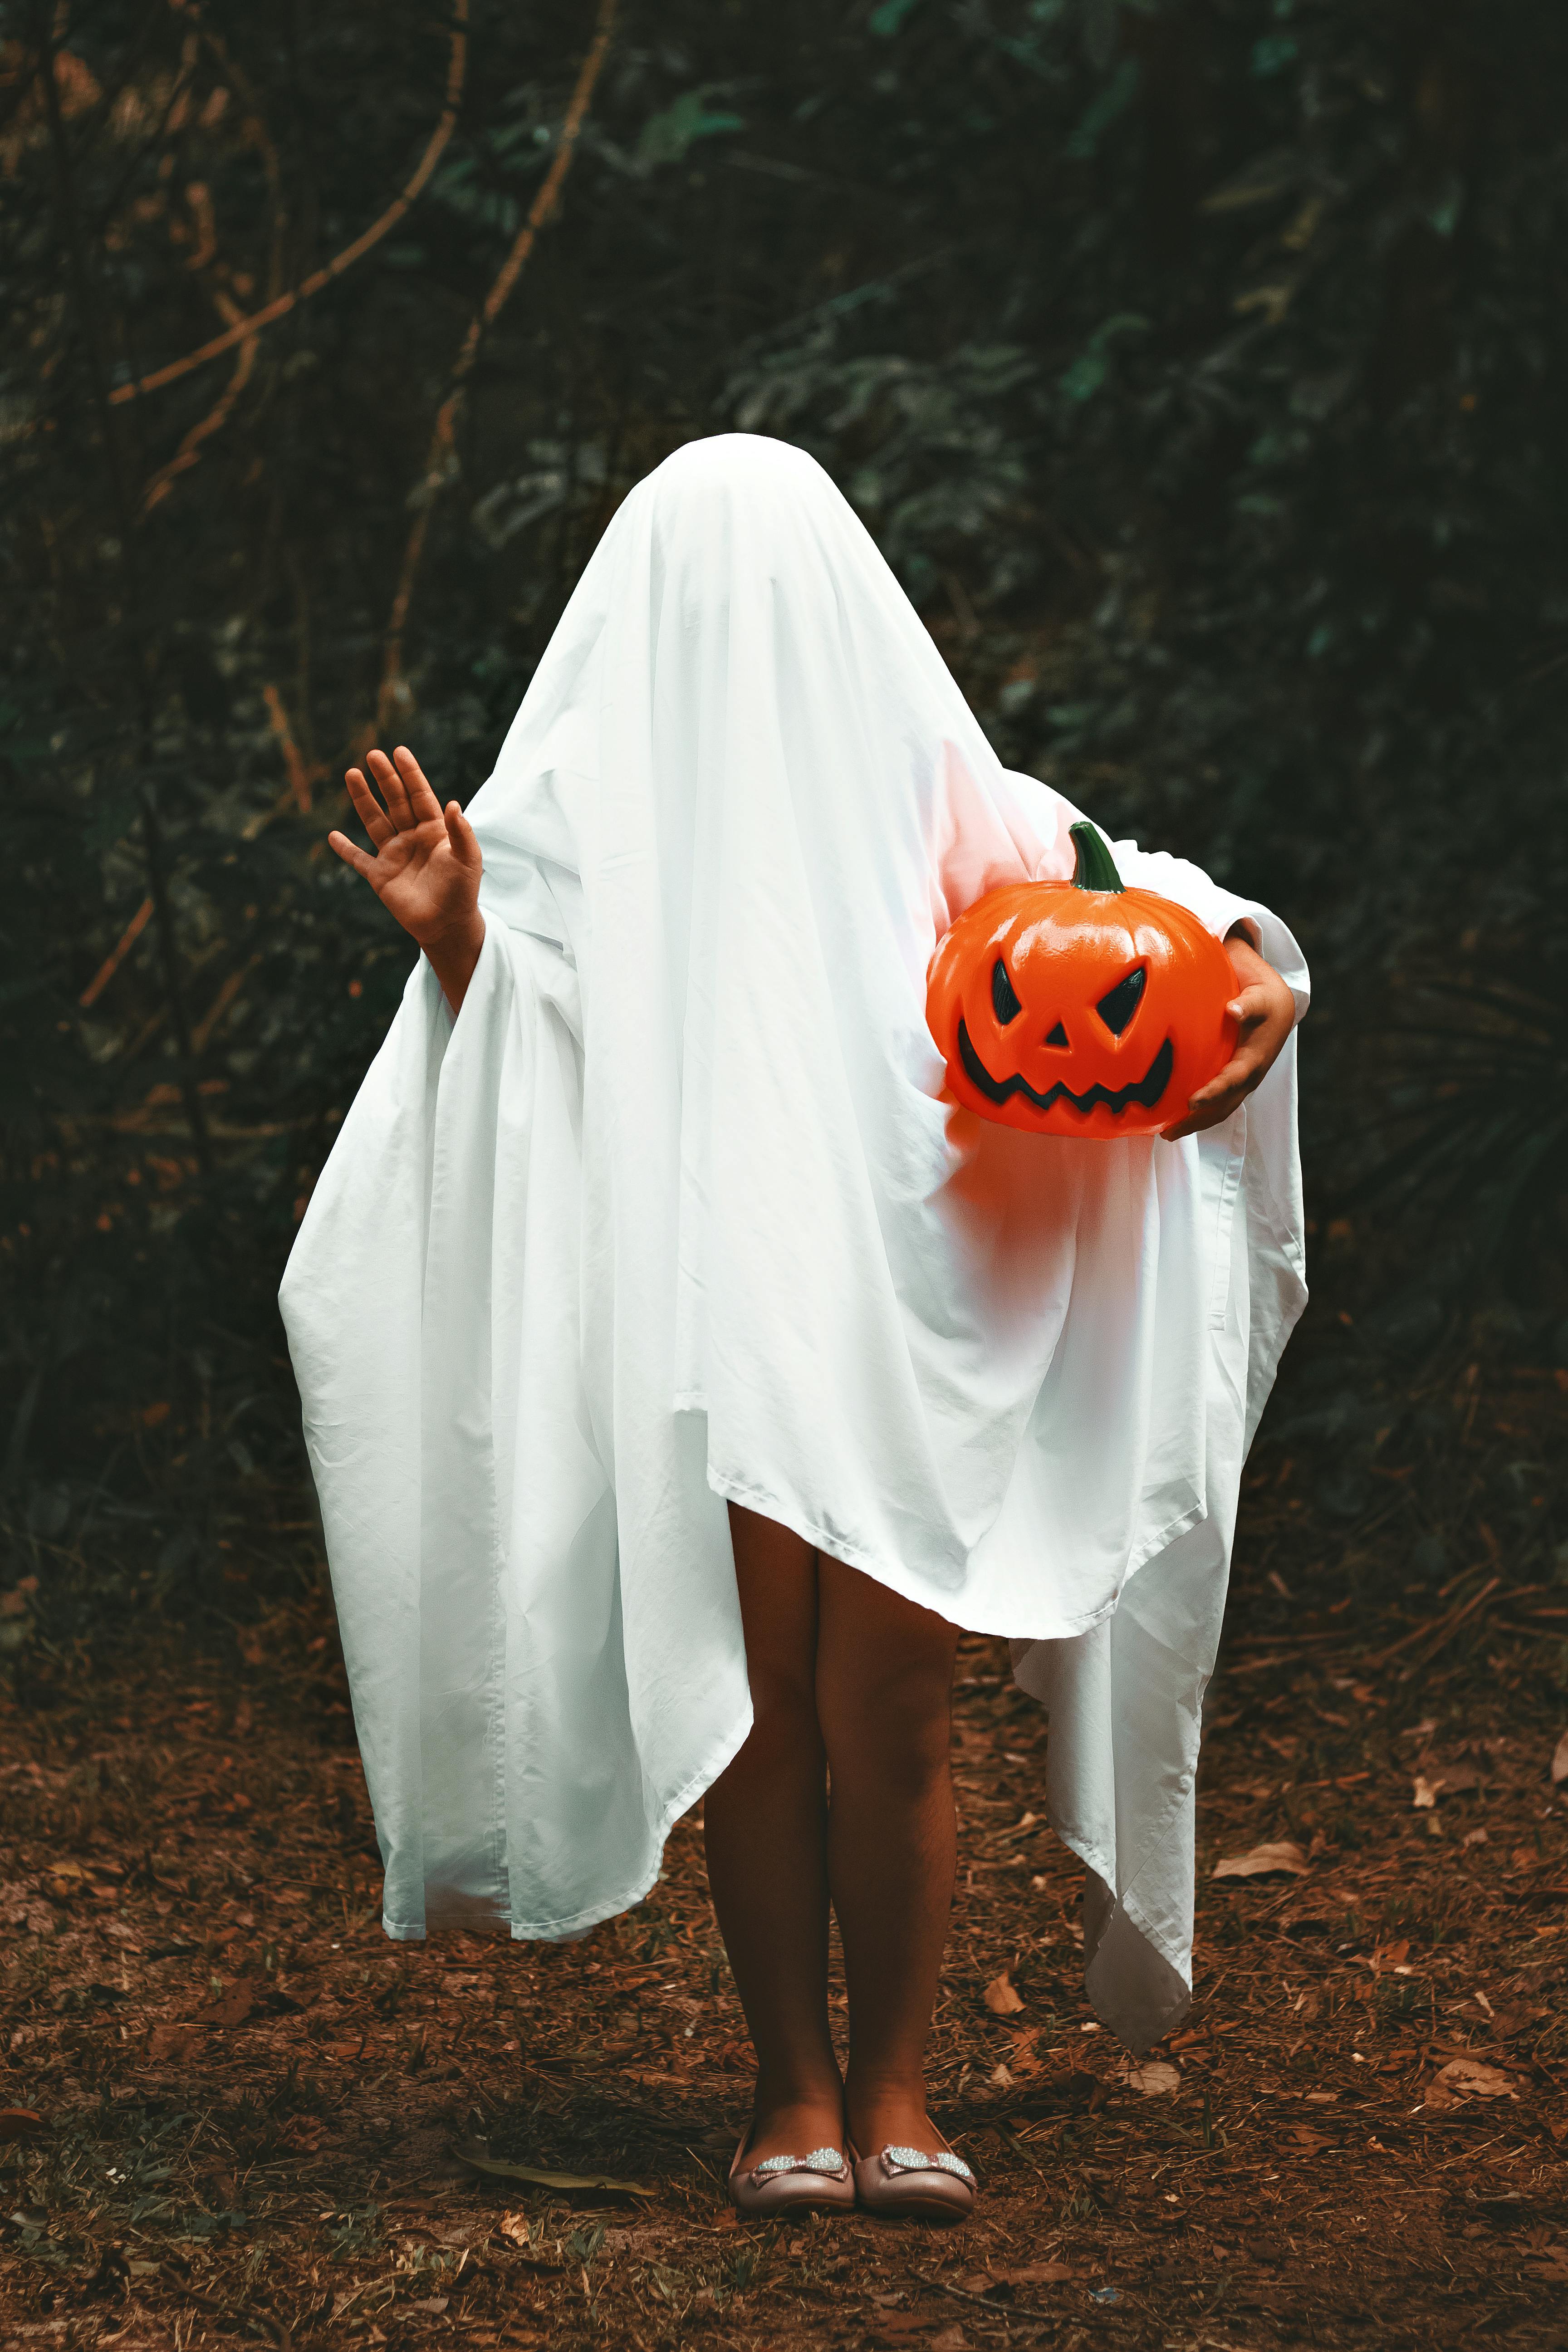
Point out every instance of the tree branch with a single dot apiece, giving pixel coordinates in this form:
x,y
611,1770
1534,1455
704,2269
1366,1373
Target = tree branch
x,y
394,690
271,312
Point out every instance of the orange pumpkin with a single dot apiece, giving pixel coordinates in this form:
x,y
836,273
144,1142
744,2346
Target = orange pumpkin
x,y
1081,1007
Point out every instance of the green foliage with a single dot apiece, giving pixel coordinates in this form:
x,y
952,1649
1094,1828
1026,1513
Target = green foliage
x,y
1199,366
667,136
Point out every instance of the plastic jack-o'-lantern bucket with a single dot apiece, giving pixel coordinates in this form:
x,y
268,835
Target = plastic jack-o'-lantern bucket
x,y
1082,1007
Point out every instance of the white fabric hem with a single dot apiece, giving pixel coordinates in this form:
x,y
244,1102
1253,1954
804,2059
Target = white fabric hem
x,y
554,1931
1103,1864
576,1923
919,1589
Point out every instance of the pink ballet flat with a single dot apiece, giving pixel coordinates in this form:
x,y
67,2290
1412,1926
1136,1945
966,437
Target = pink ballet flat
x,y
821,2182
914,2183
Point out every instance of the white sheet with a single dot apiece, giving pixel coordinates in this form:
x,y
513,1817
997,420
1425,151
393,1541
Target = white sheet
x,y
675,1212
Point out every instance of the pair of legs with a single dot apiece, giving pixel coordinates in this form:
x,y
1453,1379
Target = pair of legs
x,y
851,1691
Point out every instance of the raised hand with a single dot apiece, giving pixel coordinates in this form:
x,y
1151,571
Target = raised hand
x,y
424,865
1265,1013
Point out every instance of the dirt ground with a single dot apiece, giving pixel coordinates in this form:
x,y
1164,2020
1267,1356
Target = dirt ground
x,y
236,2113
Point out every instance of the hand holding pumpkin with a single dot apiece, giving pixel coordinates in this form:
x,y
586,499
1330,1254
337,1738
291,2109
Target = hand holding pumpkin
x,y
1264,1011
424,865
1086,1008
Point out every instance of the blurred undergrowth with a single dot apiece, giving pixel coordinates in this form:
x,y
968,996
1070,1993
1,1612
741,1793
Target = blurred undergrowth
x,y
1199,364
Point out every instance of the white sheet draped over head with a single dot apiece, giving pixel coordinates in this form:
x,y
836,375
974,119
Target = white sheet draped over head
x,y
675,1212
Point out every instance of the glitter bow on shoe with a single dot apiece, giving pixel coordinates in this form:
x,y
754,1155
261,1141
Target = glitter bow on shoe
x,y
929,2185
821,2182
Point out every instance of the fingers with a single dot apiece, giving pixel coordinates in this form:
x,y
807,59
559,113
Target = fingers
x,y
1204,1115
1238,1077
354,855
371,815
1222,1095
403,786
1253,1003
1261,1033
465,841
421,798
393,791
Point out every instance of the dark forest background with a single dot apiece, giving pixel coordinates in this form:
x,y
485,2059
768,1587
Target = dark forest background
x,y
1200,364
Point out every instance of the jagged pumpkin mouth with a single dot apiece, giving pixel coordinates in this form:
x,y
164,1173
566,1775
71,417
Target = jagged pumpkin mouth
x,y
1142,1093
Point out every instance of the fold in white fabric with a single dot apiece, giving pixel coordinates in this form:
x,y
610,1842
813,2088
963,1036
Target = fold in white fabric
x,y
676,1212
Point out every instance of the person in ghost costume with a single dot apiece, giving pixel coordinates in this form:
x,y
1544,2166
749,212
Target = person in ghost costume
x,y
682,1372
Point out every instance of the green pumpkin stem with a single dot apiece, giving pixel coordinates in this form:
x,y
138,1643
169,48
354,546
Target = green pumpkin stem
x,y
1096,867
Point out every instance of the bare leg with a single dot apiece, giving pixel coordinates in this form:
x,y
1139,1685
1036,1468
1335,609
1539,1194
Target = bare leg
x,y
884,1687
767,1821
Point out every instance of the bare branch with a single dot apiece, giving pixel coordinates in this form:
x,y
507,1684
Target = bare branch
x,y
116,956
301,777
190,449
272,311
393,693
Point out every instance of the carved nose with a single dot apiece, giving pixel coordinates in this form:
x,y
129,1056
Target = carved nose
x,y
1058,1036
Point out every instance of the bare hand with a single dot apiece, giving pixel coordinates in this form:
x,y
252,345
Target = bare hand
x,y
424,865
1265,1013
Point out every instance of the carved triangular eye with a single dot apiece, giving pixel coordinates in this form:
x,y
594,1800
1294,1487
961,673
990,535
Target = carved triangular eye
x,y
1116,1009
1003,996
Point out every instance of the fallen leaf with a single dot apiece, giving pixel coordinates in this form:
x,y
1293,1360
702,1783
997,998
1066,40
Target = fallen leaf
x,y
952,2340
1434,1781
1155,2078
1560,1761
1468,2078
1023,2058
1039,2274
1001,1996
20,2123
232,2006
515,2227
1264,1861
1000,2077
500,2168
1390,1955
173,2042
